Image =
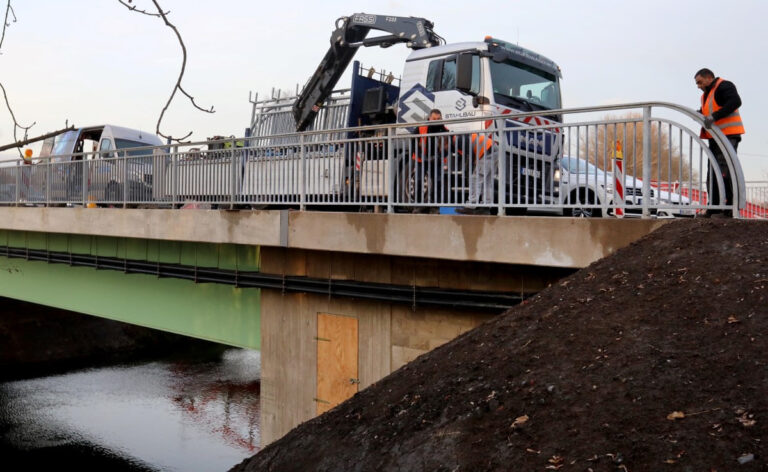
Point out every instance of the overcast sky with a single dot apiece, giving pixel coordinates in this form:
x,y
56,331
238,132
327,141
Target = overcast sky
x,y
94,62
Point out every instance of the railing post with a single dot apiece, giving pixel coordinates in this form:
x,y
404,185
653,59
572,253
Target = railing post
x,y
233,190
47,181
85,179
18,183
390,171
501,149
174,174
303,164
125,180
646,160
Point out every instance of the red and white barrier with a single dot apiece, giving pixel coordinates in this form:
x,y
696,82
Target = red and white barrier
x,y
618,188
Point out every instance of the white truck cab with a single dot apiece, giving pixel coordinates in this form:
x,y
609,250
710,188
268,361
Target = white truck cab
x,y
491,78
472,79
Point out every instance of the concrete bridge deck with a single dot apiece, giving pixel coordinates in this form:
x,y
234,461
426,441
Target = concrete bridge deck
x,y
538,241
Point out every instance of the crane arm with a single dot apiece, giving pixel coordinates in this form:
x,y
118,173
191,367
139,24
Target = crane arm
x,y
351,32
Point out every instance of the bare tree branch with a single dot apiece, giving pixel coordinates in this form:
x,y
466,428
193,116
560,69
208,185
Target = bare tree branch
x,y
19,144
8,9
16,125
133,8
178,87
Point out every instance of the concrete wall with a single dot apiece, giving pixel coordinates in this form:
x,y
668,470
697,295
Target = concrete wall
x,y
390,335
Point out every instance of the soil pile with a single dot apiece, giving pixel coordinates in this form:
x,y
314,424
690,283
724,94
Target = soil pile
x,y
653,359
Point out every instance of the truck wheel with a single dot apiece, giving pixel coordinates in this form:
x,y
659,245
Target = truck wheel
x,y
418,187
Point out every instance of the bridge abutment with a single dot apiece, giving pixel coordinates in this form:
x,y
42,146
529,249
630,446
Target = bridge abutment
x,y
317,350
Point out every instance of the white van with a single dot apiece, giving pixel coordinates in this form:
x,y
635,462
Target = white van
x,y
113,164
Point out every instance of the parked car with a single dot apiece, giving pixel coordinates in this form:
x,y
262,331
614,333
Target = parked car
x,y
582,183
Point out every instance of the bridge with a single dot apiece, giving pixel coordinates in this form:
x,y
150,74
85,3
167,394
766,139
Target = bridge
x,y
274,280
337,299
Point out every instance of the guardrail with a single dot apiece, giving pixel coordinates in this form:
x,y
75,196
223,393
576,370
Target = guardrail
x,y
757,200
497,164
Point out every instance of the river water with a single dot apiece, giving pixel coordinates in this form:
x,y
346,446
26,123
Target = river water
x,y
191,414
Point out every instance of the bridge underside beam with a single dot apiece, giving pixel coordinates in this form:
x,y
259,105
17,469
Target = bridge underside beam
x,y
214,312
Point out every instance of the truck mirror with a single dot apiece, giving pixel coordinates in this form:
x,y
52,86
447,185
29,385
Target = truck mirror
x,y
464,73
499,57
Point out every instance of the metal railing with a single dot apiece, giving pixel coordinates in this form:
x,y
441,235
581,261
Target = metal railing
x,y
500,164
757,200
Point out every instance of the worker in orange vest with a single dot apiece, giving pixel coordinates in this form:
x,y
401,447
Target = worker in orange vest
x,y
483,162
720,104
430,155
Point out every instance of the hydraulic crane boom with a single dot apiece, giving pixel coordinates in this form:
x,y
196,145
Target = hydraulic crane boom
x,y
349,35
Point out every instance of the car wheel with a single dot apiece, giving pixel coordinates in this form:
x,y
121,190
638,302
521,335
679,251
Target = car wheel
x,y
586,197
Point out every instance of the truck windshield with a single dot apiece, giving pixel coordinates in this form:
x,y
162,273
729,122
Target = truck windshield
x,y
64,143
515,83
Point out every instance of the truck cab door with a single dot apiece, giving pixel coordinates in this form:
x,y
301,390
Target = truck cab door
x,y
102,168
457,98
61,165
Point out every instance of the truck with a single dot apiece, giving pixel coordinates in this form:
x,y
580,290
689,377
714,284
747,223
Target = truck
x,y
331,146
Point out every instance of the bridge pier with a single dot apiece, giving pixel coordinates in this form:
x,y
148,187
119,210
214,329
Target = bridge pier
x,y
318,350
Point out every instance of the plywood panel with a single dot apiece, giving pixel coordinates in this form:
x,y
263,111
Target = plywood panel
x,y
337,352
373,336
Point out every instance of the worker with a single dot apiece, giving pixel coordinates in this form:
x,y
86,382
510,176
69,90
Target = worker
x,y
484,160
720,104
429,157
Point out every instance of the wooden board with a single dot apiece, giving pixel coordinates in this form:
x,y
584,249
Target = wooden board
x,y
337,353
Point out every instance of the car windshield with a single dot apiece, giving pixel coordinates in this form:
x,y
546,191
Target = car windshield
x,y
522,82
579,166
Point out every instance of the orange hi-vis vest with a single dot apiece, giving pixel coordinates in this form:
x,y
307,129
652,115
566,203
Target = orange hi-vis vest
x,y
481,144
729,125
422,146
416,156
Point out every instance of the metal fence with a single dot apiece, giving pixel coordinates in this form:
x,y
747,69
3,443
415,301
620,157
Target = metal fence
x,y
757,200
635,164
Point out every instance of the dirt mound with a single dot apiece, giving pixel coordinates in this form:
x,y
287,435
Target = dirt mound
x,y
653,359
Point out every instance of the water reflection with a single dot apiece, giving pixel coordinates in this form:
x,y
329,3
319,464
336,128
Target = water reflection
x,y
170,416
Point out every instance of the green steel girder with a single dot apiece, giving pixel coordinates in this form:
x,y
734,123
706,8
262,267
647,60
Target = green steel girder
x,y
222,256
215,312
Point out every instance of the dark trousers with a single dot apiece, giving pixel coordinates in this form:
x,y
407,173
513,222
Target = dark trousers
x,y
714,189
